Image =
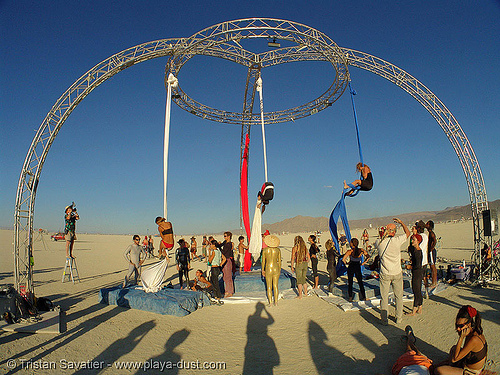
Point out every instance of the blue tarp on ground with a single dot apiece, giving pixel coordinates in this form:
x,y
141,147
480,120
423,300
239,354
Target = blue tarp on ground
x,y
166,301
253,281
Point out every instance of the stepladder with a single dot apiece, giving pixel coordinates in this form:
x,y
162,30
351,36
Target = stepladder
x,y
70,271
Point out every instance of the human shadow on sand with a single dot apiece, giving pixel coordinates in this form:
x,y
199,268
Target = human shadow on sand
x,y
170,358
121,347
386,354
330,360
59,341
261,354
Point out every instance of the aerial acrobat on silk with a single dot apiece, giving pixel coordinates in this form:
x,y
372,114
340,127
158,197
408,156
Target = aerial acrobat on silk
x,y
364,183
266,194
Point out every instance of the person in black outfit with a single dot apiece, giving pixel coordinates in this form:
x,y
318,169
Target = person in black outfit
x,y
365,181
227,249
215,260
183,263
355,253
313,251
417,273
331,267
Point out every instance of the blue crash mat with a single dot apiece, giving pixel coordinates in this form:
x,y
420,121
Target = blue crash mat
x,y
166,301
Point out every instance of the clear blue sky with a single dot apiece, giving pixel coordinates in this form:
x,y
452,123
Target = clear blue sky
x,y
108,155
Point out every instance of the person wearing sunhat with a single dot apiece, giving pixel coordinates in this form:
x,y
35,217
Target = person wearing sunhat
x,y
271,267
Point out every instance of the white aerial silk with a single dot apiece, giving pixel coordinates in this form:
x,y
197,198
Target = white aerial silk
x,y
152,277
255,245
259,89
172,82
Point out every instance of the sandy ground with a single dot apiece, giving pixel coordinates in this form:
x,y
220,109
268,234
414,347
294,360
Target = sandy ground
x,y
297,336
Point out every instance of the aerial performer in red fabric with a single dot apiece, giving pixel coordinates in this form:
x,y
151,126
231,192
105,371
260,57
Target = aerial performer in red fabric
x,y
365,183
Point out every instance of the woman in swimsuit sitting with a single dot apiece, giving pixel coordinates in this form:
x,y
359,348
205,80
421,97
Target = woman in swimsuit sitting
x,y
365,182
470,358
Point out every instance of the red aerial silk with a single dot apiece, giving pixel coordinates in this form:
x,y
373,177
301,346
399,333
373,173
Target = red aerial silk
x,y
247,263
244,188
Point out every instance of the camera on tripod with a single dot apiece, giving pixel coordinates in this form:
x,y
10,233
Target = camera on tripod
x,y
73,208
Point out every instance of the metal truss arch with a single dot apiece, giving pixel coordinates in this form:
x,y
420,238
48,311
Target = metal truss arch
x,y
44,137
444,118
308,45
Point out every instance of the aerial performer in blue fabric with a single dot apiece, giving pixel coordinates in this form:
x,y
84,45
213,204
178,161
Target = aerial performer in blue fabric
x,y
365,183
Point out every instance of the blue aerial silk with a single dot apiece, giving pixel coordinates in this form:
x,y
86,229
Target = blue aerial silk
x,y
340,212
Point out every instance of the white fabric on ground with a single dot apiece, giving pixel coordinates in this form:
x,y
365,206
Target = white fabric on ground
x,y
152,277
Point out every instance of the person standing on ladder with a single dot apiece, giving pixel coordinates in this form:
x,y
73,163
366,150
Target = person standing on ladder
x,y
70,218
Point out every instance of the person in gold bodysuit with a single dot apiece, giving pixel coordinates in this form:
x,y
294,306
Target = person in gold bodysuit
x,y
271,267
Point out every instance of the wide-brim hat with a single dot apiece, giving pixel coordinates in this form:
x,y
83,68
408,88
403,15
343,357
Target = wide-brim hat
x,y
272,241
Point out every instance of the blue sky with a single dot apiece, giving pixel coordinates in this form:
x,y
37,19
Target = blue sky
x,y
108,155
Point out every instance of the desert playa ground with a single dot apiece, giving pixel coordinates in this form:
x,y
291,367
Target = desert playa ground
x,y
298,336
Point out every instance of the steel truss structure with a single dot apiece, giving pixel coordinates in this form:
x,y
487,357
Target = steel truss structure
x,y
224,41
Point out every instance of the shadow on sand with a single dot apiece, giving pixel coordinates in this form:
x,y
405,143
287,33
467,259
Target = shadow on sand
x,y
261,354
169,355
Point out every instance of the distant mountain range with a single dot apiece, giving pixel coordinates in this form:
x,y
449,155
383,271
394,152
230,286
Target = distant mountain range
x,y
299,223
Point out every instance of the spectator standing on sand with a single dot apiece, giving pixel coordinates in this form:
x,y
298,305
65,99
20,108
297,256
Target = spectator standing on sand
x,y
216,260
389,250
420,226
331,256
431,251
133,256
241,253
227,249
313,253
364,239
151,246
205,245
416,272
355,254
183,263
299,261
194,246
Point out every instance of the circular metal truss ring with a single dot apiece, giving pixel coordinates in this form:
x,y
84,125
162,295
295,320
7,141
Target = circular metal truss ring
x,y
223,41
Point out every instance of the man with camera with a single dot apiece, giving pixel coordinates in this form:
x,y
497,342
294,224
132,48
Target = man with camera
x,y
70,218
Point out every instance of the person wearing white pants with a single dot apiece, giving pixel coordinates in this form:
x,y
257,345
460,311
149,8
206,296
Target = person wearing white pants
x,y
389,249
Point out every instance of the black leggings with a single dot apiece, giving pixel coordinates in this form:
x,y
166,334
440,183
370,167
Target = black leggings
x,y
214,280
355,269
416,286
314,266
183,271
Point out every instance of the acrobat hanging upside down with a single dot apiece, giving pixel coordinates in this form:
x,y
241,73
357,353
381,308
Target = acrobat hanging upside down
x,y
266,194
